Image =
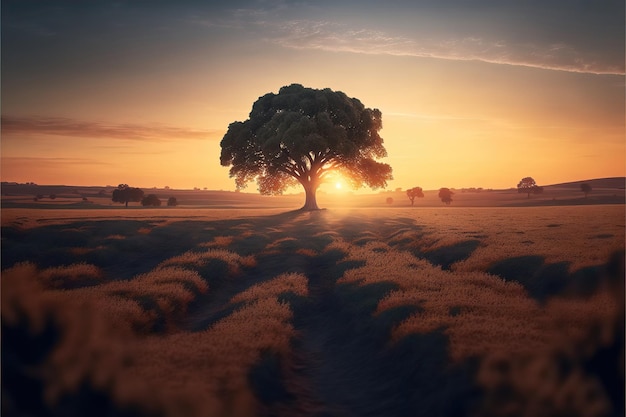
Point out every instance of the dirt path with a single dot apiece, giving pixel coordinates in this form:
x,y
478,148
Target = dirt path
x,y
342,350
342,361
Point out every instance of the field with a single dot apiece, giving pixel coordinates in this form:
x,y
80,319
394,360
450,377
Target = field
x,y
375,311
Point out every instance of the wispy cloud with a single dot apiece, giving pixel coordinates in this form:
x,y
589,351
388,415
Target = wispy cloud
x,y
559,51
59,126
335,37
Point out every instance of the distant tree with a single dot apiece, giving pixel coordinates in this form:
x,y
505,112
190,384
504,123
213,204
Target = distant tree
x,y
445,194
53,196
39,196
125,194
172,202
151,200
300,136
585,188
414,192
529,186
389,200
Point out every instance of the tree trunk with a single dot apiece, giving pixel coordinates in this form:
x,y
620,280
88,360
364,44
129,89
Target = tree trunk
x,y
311,202
127,204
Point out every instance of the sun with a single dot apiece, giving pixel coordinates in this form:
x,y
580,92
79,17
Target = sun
x,y
338,185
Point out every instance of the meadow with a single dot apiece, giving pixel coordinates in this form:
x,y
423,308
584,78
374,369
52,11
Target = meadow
x,y
394,311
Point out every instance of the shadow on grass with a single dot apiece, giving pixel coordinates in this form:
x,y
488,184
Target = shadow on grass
x,y
543,281
23,389
447,255
266,379
353,370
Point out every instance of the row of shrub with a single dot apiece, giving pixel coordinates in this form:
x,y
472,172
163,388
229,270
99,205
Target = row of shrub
x,y
154,201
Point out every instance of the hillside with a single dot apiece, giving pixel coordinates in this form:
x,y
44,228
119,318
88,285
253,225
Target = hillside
x,y
604,191
598,183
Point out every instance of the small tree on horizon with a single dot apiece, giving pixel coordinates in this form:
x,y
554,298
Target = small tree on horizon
x,y
414,192
585,188
445,194
151,200
125,194
301,136
529,186
172,202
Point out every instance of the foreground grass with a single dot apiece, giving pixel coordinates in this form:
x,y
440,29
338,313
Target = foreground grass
x,y
468,311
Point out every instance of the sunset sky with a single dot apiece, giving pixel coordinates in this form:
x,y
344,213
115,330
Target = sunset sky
x,y
473,93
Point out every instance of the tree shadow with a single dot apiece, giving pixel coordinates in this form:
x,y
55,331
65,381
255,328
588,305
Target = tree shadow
x,y
544,281
354,370
447,255
520,268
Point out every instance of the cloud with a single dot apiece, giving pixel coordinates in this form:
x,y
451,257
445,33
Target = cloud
x,y
335,37
557,36
59,126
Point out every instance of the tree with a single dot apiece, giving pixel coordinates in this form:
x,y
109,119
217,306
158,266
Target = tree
x,y
389,200
445,194
302,135
585,188
172,202
529,186
125,194
151,200
414,192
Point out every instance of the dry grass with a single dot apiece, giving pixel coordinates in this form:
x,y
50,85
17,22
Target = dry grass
x,y
218,241
180,364
191,258
34,217
130,338
582,236
99,346
63,275
481,313
92,346
293,282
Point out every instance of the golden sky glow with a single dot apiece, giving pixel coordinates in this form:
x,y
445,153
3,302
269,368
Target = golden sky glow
x,y
109,94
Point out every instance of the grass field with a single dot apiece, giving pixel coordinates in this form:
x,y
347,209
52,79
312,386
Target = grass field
x,y
394,311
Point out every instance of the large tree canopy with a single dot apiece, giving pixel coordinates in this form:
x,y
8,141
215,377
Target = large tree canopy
x,y
301,135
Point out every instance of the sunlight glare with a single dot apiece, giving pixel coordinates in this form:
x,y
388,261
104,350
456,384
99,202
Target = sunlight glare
x,y
338,185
